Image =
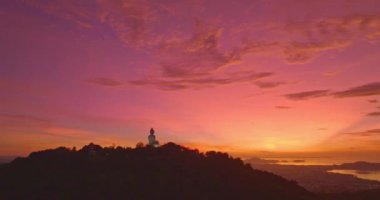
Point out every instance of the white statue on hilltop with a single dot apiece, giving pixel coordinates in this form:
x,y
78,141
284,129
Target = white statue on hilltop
x,y
152,139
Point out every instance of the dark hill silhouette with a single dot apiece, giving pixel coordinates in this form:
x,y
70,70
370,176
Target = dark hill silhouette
x,y
167,172
361,195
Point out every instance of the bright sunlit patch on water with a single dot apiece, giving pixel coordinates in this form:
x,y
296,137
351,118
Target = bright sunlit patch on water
x,y
305,161
369,175
316,159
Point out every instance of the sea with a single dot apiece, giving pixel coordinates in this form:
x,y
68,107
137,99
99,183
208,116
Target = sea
x,y
363,174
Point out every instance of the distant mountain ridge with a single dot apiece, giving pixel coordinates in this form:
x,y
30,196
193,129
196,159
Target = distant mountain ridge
x,y
359,165
167,172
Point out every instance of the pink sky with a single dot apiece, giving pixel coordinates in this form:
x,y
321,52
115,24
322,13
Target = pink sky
x,y
241,76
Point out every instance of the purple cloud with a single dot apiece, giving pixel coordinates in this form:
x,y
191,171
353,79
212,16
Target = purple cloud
x,y
369,89
202,81
105,81
265,85
373,114
307,95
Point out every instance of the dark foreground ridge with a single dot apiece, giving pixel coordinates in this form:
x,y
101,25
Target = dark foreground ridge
x,y
167,172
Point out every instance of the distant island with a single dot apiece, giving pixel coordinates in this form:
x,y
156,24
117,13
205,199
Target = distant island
x,y
169,171
318,178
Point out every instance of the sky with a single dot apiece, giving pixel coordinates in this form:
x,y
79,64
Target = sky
x,y
244,76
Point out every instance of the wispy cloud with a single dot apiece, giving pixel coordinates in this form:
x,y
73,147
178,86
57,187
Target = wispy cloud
x,y
202,81
27,122
283,107
77,12
331,73
371,132
328,34
369,89
5,116
136,22
69,133
36,126
307,94
197,62
196,55
299,42
132,20
303,52
105,81
374,114
373,101
267,84
196,59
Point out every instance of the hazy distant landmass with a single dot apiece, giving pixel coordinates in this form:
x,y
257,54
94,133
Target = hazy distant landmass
x,y
360,165
6,159
317,178
167,172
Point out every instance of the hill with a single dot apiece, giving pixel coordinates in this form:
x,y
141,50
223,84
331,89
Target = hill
x,y
167,172
360,195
